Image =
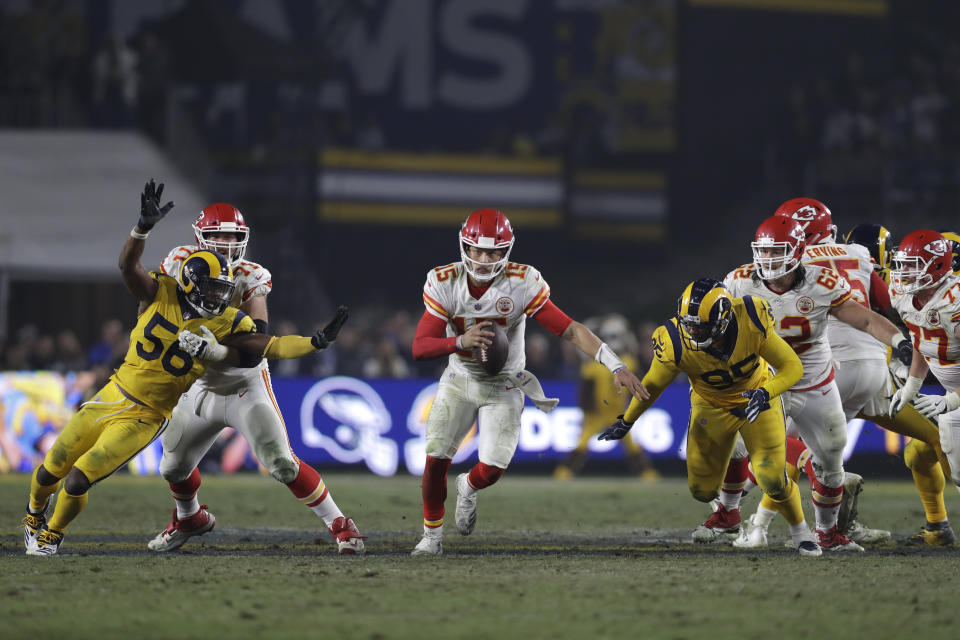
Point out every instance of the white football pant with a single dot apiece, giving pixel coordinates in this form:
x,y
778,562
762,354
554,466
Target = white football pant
x,y
495,403
200,416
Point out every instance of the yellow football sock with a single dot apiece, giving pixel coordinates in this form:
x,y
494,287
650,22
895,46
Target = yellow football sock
x,y
921,459
40,494
68,507
790,507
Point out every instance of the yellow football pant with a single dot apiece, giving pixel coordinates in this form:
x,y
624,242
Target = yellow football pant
x,y
107,432
711,436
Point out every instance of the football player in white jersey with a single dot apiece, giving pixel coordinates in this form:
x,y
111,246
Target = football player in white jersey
x,y
802,297
926,294
241,398
860,364
462,299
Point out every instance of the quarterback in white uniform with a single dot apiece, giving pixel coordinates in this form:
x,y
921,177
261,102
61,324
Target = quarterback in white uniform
x,y
927,296
463,299
241,398
802,297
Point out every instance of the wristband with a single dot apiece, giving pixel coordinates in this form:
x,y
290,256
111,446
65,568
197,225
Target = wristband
x,y
460,342
139,236
608,358
896,339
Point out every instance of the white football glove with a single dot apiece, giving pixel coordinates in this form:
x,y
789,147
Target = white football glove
x,y
899,371
904,394
932,406
204,346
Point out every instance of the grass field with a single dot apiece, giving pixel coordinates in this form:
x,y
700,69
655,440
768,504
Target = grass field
x,y
595,557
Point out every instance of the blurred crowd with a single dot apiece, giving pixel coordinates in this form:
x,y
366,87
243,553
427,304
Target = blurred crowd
x,y
881,133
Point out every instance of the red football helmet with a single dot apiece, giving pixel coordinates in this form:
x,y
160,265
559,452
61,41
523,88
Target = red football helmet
x,y
486,229
921,261
778,247
223,218
813,216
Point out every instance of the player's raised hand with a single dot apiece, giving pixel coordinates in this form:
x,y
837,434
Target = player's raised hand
x,y
616,431
624,378
759,401
477,336
150,210
323,338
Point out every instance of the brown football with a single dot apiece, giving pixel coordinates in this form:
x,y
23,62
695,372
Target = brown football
x,y
493,358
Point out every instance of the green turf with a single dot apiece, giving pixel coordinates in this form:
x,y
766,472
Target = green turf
x,y
598,558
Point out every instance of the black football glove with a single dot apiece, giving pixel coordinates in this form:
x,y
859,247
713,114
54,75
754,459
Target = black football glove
x,y
904,351
323,338
150,210
616,431
759,401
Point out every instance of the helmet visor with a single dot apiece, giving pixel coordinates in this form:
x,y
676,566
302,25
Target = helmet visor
x,y
215,294
773,259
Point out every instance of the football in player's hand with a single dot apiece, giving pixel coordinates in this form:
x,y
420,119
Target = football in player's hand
x,y
493,357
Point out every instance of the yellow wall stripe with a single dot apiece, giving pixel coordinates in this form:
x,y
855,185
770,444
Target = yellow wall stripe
x,y
426,215
438,163
865,8
620,180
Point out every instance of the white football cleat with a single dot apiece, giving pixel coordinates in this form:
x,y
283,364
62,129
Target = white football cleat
x,y
722,526
805,543
32,523
466,515
349,541
863,534
47,543
752,536
179,531
431,544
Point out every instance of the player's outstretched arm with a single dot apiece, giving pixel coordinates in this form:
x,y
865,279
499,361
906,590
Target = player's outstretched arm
x,y
859,317
247,349
135,277
591,345
657,378
781,357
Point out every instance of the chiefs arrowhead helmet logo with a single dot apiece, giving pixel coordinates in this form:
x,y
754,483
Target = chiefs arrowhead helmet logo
x,y
937,247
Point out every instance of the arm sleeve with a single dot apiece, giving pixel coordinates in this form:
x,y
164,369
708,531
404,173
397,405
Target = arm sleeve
x,y
431,341
552,318
879,293
287,347
658,378
781,357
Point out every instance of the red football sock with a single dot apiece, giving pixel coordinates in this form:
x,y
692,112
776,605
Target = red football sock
x,y
185,494
733,481
433,487
483,475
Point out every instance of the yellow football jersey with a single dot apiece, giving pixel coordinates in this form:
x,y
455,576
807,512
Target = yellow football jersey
x,y
721,377
155,369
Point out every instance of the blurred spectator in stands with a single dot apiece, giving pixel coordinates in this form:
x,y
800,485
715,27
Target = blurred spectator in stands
x,y
44,352
351,351
386,362
645,346
112,346
114,76
69,356
153,71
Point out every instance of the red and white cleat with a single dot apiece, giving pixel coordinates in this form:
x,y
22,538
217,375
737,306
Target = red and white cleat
x,y
723,525
833,540
349,541
179,531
